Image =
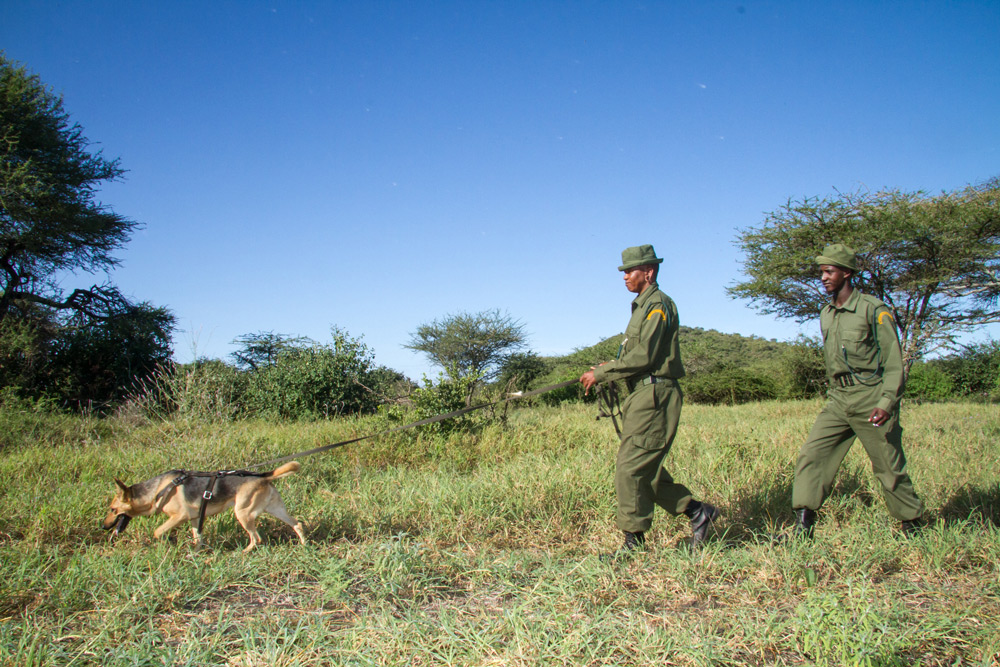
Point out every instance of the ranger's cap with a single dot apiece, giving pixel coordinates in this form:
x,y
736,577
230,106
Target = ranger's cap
x,y
637,256
838,254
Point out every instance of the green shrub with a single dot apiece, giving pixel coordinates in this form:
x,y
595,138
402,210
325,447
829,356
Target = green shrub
x,y
448,395
730,386
802,369
22,353
975,372
572,366
927,382
96,363
521,369
204,390
314,381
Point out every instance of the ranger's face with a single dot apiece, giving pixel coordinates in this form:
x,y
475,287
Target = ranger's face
x,y
638,279
833,277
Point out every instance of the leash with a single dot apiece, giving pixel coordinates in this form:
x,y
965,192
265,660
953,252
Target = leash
x,y
422,422
607,395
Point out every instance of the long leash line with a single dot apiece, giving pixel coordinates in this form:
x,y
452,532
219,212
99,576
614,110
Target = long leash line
x,y
423,422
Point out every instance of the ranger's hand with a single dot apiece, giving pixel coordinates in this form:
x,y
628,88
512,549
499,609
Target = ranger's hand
x,y
878,416
588,380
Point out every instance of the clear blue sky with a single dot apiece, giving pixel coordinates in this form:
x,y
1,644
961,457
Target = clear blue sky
x,y
379,165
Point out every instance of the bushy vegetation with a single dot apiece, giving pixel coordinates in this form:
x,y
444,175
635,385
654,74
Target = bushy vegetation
x,y
974,372
84,363
302,380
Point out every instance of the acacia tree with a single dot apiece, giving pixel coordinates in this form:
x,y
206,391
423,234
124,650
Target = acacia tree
x,y
87,346
470,344
933,259
50,220
260,350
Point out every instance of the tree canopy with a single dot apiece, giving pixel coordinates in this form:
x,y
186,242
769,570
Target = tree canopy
x,y
261,349
50,220
86,348
467,344
933,259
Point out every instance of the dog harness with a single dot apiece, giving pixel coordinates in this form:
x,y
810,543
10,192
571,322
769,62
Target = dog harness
x,y
207,495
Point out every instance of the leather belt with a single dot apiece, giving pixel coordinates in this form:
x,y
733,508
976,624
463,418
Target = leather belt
x,y
635,383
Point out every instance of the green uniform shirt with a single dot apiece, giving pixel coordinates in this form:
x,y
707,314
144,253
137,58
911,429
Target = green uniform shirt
x,y
863,329
651,345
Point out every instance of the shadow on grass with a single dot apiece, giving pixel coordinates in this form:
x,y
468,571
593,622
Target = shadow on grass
x,y
351,530
973,503
765,510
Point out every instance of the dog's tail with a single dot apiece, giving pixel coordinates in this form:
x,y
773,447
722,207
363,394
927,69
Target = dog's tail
x,y
285,470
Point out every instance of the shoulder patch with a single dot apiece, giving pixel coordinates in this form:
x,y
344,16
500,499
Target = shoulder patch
x,y
885,313
663,315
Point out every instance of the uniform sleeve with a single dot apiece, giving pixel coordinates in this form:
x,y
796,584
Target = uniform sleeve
x,y
639,359
892,359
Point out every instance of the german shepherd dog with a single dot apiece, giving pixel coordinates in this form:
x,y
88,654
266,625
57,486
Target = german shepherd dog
x,y
250,495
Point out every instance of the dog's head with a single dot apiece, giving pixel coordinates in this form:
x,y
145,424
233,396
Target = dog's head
x,y
121,505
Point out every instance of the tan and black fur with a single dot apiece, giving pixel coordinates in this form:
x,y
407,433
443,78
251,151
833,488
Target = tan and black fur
x,y
247,494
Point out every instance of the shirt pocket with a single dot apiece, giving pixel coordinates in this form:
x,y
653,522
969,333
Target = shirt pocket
x,y
631,337
857,341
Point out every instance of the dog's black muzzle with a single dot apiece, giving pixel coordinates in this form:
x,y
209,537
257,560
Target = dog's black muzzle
x,y
119,526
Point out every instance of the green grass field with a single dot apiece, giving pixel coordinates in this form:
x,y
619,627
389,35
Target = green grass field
x,y
483,549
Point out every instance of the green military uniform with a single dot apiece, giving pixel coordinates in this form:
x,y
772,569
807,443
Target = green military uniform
x,y
649,362
864,368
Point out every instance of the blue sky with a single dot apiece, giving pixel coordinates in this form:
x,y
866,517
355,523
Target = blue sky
x,y
379,165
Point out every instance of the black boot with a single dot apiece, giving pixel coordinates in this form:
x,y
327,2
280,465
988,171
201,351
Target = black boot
x,y
805,519
633,542
912,527
702,517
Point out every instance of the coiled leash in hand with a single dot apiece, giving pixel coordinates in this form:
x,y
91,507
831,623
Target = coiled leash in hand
x,y
609,404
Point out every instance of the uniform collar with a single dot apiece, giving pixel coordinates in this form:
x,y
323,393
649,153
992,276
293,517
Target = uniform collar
x,y
646,295
851,304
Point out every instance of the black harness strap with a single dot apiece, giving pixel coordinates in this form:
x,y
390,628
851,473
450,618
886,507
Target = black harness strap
x,y
161,497
205,497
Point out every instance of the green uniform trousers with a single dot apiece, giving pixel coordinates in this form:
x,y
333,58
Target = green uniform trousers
x,y
845,417
650,415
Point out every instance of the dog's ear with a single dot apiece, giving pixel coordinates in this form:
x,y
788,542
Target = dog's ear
x,y
125,489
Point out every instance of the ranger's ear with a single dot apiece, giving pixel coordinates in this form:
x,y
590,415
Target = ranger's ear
x,y
124,487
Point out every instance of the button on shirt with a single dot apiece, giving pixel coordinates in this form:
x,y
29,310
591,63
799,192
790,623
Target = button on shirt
x,y
856,338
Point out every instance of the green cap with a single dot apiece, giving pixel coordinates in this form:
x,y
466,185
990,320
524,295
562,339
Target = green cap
x,y
637,256
838,254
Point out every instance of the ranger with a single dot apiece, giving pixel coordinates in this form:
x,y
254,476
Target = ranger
x,y
864,368
649,361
